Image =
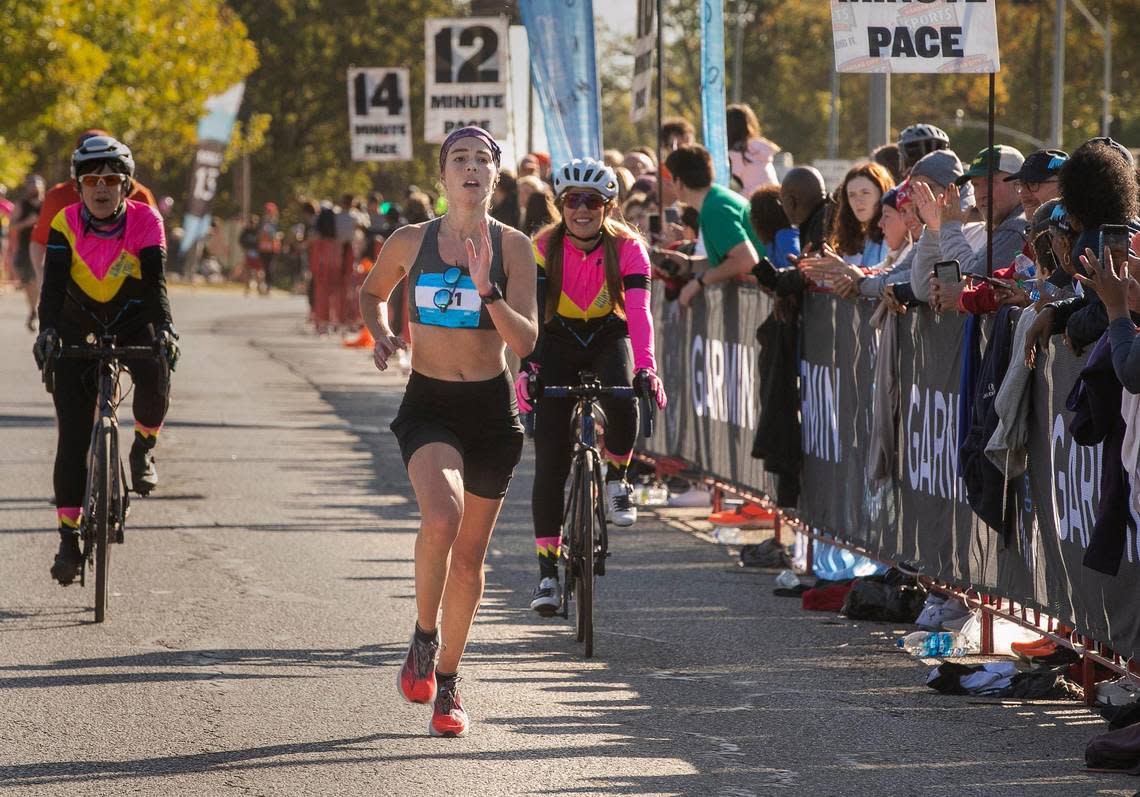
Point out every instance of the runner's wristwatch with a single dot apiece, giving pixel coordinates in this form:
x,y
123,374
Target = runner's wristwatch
x,y
492,297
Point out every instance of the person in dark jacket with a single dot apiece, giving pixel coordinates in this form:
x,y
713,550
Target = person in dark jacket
x,y
1098,187
803,196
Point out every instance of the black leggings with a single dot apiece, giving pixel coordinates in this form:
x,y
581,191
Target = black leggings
x,y
608,355
76,393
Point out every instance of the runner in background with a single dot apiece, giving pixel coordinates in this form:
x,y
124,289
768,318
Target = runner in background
x,y
28,211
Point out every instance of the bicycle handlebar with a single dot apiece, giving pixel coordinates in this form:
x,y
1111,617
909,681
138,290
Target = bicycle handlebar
x,y
592,392
96,352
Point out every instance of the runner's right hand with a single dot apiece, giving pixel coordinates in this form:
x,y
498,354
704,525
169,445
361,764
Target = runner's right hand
x,y
384,348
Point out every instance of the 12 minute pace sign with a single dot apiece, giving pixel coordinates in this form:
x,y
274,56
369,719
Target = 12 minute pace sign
x,y
947,36
466,76
379,116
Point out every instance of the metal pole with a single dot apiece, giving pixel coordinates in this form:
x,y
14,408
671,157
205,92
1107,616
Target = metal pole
x,y
1056,129
879,111
738,52
991,167
529,111
833,117
246,187
660,103
1107,118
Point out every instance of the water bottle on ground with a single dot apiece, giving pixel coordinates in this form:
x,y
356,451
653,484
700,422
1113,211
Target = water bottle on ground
x,y
935,644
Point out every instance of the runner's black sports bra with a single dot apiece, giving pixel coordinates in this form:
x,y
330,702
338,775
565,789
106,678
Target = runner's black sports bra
x,y
443,294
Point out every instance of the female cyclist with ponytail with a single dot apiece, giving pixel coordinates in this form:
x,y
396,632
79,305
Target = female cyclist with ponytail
x,y
593,302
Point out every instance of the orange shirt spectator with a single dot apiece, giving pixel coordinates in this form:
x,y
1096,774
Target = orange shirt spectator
x,y
63,194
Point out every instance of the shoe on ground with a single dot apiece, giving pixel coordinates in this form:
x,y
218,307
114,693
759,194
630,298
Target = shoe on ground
x,y
619,509
68,560
144,474
416,680
1121,692
748,516
696,497
547,597
1060,655
448,719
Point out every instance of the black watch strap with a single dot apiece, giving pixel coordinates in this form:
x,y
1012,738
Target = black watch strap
x,y
492,297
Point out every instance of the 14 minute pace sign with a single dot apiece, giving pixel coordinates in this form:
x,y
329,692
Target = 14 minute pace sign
x,y
379,116
466,76
948,36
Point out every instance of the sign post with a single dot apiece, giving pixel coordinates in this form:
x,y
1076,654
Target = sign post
x,y
643,47
466,76
379,117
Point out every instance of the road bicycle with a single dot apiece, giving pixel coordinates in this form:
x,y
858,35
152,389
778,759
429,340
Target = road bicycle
x,y
585,539
106,501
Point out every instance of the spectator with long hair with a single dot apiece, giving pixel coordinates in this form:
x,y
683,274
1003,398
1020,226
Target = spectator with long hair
x,y
749,153
855,234
540,211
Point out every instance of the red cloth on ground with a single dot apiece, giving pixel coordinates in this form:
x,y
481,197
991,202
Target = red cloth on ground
x,y
826,599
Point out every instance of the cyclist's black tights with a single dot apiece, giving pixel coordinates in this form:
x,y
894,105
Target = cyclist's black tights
x,y
75,395
607,355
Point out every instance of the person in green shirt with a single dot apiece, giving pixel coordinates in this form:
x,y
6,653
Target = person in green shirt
x,y
726,230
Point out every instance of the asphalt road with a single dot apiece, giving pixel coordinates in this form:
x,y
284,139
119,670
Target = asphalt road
x,y
264,598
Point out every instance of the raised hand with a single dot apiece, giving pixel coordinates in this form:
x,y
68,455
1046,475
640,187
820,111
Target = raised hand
x,y
1108,284
479,258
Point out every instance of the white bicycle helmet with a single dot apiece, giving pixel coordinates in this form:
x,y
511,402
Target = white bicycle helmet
x,y
103,148
920,139
586,173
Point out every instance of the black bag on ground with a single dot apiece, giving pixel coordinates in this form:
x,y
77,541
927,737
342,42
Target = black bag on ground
x,y
766,554
891,597
1118,749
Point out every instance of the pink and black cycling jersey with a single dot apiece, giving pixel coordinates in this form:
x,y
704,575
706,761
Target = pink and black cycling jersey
x,y
584,301
108,276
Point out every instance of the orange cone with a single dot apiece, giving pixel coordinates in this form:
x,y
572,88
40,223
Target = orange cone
x,y
362,341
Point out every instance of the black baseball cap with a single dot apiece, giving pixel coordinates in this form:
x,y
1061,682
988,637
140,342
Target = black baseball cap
x,y
1039,166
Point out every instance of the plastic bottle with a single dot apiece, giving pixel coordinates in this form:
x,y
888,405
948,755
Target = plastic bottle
x,y
935,644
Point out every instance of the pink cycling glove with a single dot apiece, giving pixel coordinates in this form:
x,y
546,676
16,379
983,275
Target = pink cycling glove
x,y
522,387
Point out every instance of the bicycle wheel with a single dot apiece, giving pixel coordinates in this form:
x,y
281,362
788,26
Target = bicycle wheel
x,y
101,522
584,583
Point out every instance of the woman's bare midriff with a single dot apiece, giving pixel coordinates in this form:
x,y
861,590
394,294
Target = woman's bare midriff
x,y
457,355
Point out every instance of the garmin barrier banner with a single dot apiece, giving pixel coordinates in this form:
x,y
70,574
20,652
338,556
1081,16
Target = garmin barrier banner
x,y
707,357
920,515
565,73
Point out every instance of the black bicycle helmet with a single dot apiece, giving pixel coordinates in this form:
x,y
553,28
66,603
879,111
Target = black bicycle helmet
x,y
918,140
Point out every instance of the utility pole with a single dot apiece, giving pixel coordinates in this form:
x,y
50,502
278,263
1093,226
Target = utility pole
x,y
879,111
738,51
833,117
1056,128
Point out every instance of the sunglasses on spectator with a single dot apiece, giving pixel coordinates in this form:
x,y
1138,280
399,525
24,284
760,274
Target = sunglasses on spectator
x,y
109,180
1034,186
581,199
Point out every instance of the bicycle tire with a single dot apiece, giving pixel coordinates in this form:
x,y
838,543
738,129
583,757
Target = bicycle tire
x,y
103,482
584,586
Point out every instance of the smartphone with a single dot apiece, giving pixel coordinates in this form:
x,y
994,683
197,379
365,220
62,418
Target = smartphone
x,y
1115,238
672,216
654,223
948,271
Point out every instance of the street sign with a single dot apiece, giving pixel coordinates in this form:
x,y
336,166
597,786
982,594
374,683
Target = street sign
x,y
379,114
643,48
466,76
936,36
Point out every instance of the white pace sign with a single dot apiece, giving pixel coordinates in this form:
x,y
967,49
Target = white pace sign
x,y
379,114
935,36
466,76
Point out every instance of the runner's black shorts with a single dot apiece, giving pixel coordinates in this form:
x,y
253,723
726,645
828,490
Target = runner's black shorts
x,y
480,420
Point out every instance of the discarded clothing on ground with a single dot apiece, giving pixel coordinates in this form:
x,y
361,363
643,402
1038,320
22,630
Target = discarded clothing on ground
x,y
1121,716
828,598
984,679
1119,749
938,610
765,554
890,597
1044,683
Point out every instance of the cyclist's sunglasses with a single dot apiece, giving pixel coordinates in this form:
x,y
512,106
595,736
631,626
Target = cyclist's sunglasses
x,y
109,180
582,199
444,297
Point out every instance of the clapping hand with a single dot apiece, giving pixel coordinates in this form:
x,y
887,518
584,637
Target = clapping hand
x,y
479,259
950,208
1112,287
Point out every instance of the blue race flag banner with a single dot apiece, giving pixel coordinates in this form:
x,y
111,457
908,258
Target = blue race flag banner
x,y
214,131
712,88
565,74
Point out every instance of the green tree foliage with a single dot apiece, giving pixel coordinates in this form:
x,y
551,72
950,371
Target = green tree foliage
x,y
140,68
306,48
787,62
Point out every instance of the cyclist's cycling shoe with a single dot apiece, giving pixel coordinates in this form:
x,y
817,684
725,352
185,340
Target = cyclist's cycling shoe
x,y
547,597
448,718
144,475
619,509
68,559
416,679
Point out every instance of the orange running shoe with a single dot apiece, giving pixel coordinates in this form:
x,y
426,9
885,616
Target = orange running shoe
x,y
448,717
416,679
1022,648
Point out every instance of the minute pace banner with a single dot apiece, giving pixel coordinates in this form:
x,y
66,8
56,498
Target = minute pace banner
x,y
936,36
466,76
380,118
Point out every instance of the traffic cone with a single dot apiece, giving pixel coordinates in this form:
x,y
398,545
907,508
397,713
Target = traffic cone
x,y
362,341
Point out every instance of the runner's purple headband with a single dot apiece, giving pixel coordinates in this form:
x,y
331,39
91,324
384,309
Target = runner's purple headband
x,y
469,132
